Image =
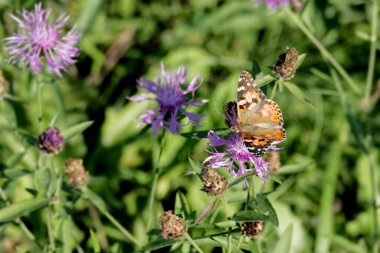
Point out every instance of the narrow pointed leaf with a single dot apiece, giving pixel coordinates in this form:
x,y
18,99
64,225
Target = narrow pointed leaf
x,y
94,241
14,211
298,93
283,245
77,129
181,205
195,164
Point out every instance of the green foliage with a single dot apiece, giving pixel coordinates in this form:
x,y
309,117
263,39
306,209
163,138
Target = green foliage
x,y
323,198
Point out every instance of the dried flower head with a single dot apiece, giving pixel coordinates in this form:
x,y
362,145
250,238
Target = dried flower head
x,y
252,229
37,38
273,158
4,85
285,67
76,173
213,183
171,100
50,141
172,226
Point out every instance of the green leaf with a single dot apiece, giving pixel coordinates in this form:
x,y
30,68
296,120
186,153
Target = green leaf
x,y
94,198
77,129
160,243
295,168
356,126
263,206
348,245
31,140
226,224
283,245
181,205
264,80
94,241
88,15
255,68
66,234
301,58
195,164
45,181
250,215
296,91
16,173
14,211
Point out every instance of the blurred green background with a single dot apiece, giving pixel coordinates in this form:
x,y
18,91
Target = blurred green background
x,y
326,181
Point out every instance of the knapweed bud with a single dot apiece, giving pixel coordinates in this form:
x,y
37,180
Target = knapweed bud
x,y
172,226
273,158
4,85
285,67
213,183
77,176
50,141
252,229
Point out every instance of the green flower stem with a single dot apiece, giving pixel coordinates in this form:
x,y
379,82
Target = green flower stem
x,y
229,235
25,229
259,246
251,192
229,240
152,194
325,226
323,50
50,228
372,52
125,232
188,237
39,103
240,242
100,205
371,166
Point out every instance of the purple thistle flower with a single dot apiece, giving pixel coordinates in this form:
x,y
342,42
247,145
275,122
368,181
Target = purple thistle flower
x,y
171,100
236,152
50,141
274,4
37,38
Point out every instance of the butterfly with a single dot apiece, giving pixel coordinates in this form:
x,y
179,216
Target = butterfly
x,y
259,119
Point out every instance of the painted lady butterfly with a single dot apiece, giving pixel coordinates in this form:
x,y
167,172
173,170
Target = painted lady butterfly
x,y
259,120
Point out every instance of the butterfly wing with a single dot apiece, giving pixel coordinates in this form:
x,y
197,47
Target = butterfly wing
x,y
250,99
259,119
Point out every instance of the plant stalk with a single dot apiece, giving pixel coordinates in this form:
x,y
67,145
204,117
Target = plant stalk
x,y
323,51
372,53
156,175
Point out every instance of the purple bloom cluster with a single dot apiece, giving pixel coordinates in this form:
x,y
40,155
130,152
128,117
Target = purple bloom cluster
x,y
37,38
50,141
235,151
274,4
171,100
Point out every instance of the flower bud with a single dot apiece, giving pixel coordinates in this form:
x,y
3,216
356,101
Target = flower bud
x,y
273,158
172,226
252,229
50,141
285,67
213,183
76,173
